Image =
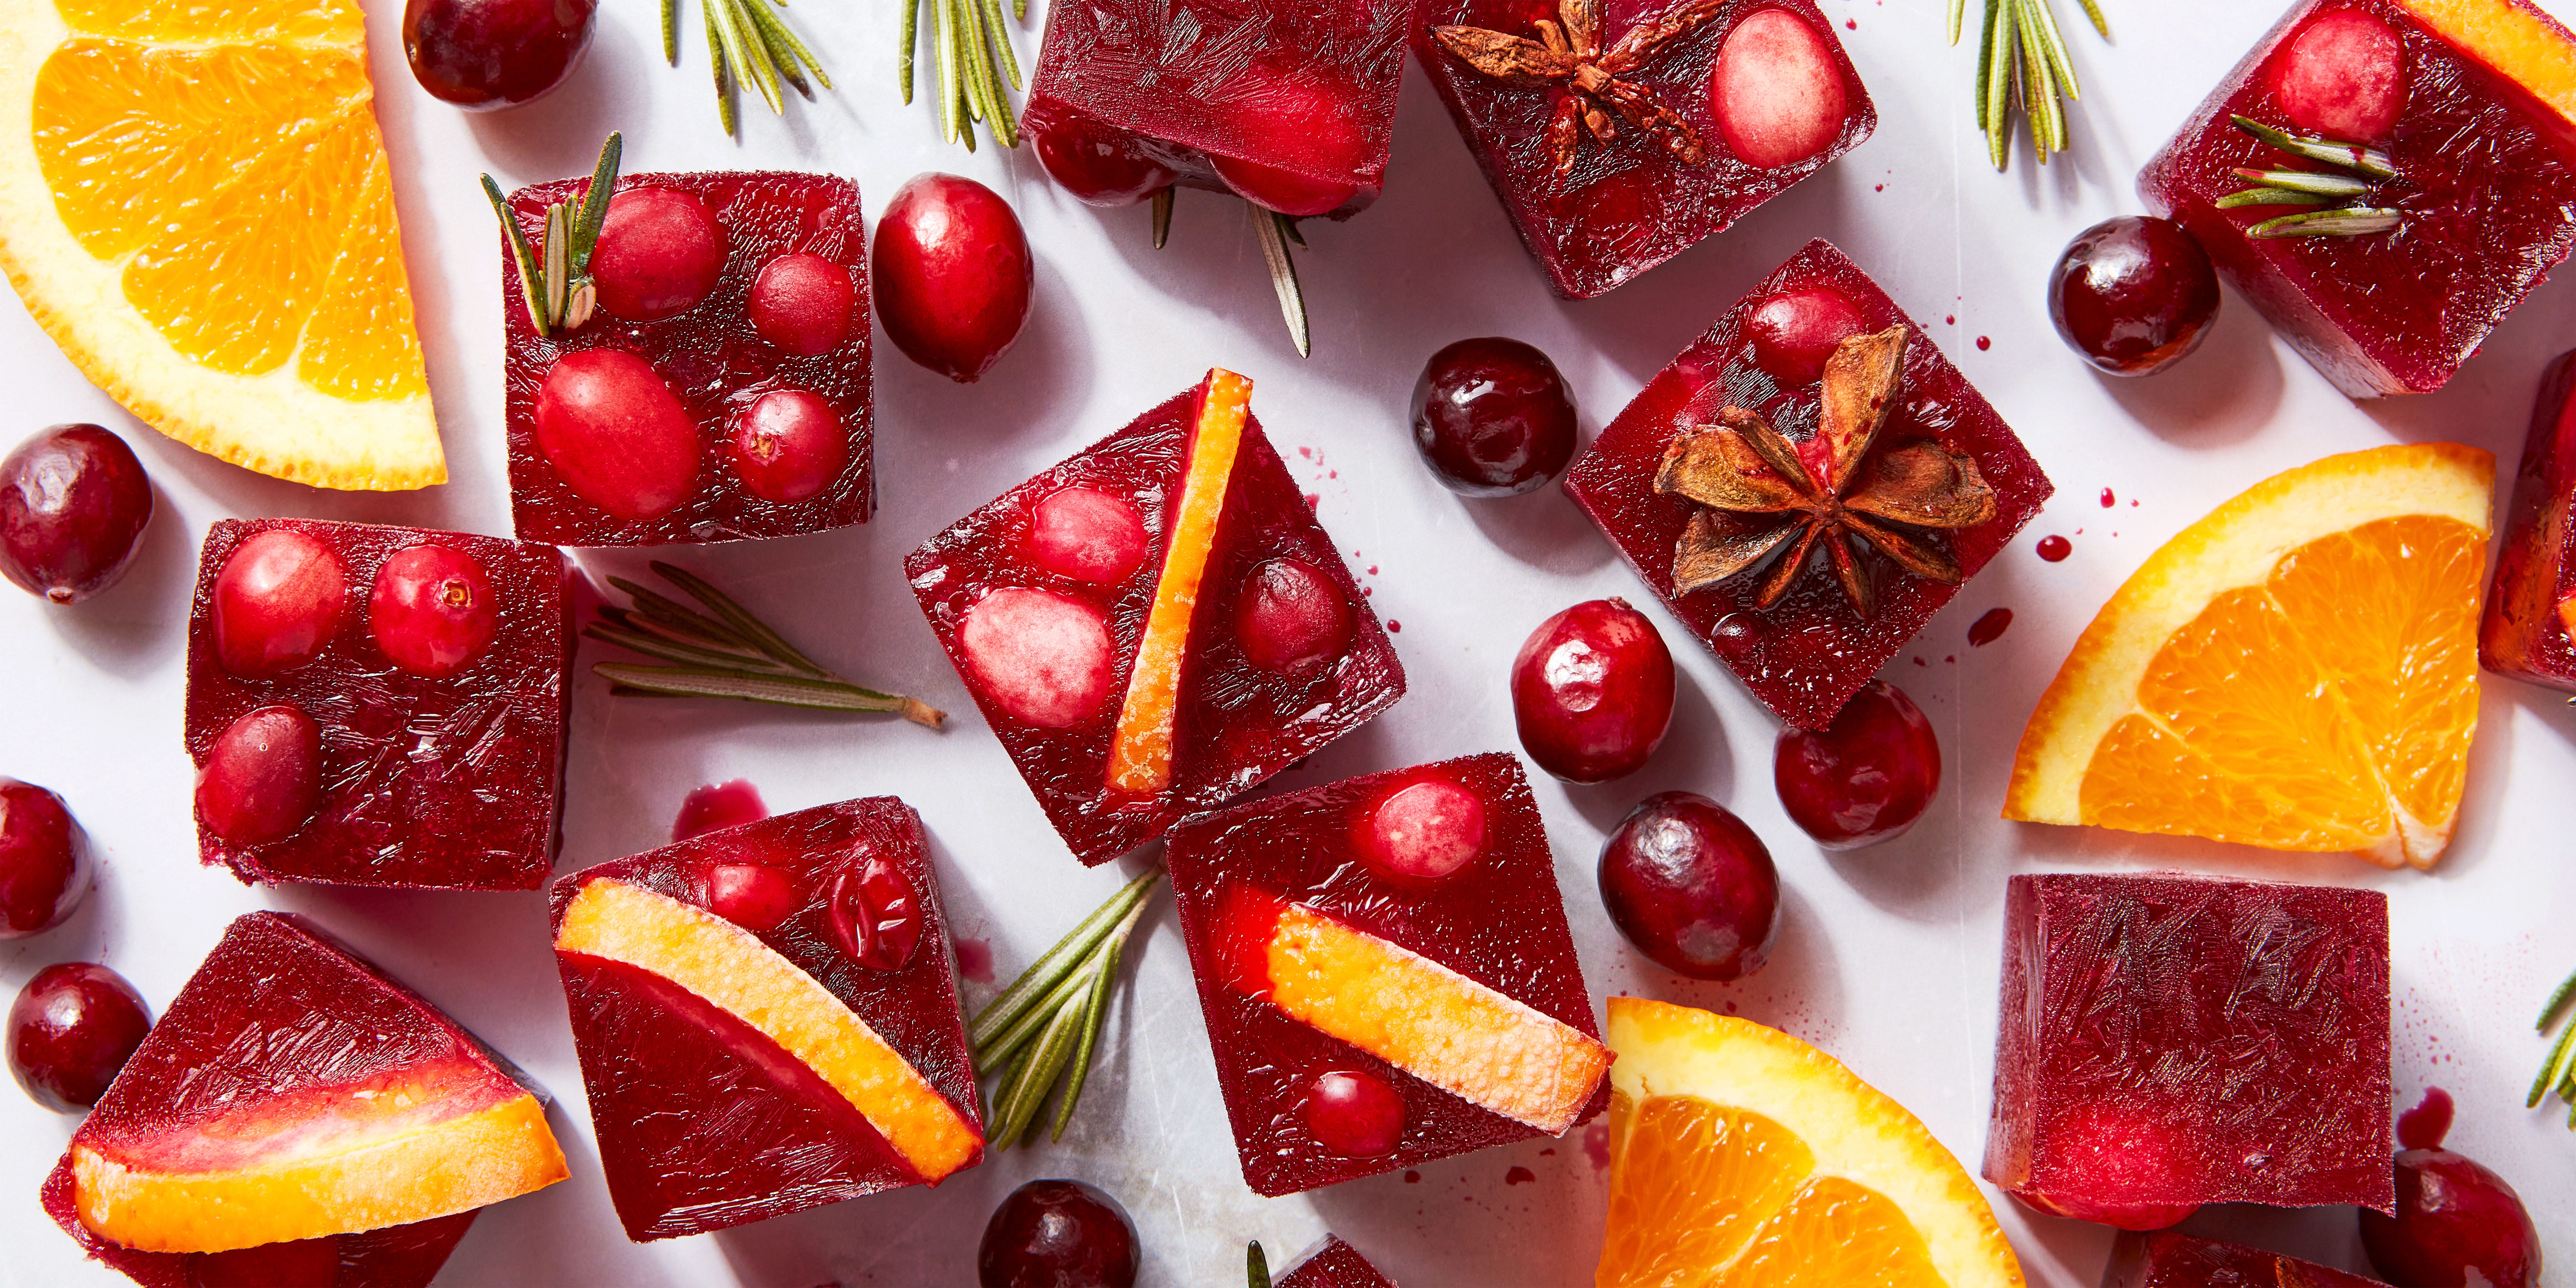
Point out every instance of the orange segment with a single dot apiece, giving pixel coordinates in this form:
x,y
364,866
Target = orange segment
x,y
1710,1177
1838,1235
1140,754
360,344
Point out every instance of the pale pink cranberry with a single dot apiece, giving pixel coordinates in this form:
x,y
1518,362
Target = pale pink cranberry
x,y
1793,333
802,303
1291,617
2343,76
615,432
305,1263
1086,535
753,896
1777,94
1043,658
660,251
276,603
788,446
1289,116
876,915
263,777
433,611
1425,831
45,865
1355,1114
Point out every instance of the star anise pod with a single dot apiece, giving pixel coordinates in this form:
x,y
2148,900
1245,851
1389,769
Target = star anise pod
x,y
1568,52
1762,494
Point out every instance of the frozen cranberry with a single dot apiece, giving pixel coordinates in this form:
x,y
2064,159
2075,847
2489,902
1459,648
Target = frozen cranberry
x,y
788,446
659,252
71,1029
73,502
753,896
44,860
613,429
1864,778
1794,332
263,776
1057,1234
1355,1114
2127,1151
1291,617
1692,887
1100,165
1424,831
876,914
2457,1225
277,602
1289,116
2343,76
486,54
1775,90
1086,535
717,806
1491,417
304,1263
953,274
1592,691
2133,294
1040,656
802,304
1286,191
433,610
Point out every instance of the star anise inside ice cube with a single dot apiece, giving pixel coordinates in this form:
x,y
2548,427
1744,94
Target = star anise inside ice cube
x,y
1762,495
1568,52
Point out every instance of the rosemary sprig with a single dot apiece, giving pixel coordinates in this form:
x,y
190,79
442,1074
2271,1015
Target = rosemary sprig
x,y
973,50
748,41
1046,1025
1256,1267
2315,188
724,652
1276,233
2558,1072
2343,221
554,275
2022,62
2366,161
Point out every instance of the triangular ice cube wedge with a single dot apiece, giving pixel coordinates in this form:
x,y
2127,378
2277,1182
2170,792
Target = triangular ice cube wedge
x,y
292,1092
1334,1265
767,1019
1046,598
1386,972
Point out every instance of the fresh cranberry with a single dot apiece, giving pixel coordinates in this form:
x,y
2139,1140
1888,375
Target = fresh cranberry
x,y
876,914
304,1263
1692,887
1424,831
44,860
1043,658
1291,617
953,275
277,602
615,432
263,777
1086,535
2343,76
1864,778
486,54
1101,165
1355,1114
73,1026
1289,116
788,446
1491,417
1592,691
660,252
1776,92
433,611
2457,1225
73,502
1057,1234
753,896
717,806
1795,331
802,303
2133,294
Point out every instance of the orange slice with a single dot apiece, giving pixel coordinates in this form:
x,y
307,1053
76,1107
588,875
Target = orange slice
x,y
2515,39
2298,670
195,205
1741,1157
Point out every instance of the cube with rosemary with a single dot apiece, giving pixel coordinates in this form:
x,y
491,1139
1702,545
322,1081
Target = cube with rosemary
x,y
2384,179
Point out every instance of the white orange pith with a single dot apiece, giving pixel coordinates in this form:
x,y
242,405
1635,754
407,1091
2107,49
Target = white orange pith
x,y
195,205
731,969
2297,670
1741,1157
412,1144
2515,41
1140,753
1432,1022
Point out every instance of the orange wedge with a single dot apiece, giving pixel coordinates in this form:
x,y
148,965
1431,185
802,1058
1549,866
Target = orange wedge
x,y
2298,670
195,205
1741,1157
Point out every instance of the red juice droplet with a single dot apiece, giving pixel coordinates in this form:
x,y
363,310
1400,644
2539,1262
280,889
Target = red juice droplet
x,y
1985,342
1394,627
1851,24
2108,500
1953,319
1372,570
1989,628
1413,1178
1313,501
2055,549
2424,1126
1520,1176
717,806
975,960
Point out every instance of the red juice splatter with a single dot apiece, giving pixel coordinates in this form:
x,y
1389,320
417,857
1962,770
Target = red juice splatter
x,y
975,959
2055,549
1547,1153
717,806
1596,1145
2424,1126
1851,24
1953,319
1985,342
1313,501
1394,627
1413,1178
1372,570
2108,500
1306,453
1989,628
1520,1176
1882,187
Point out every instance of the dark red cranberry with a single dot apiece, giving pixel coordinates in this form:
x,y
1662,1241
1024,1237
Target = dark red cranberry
x,y
1086,535
1058,1234
1355,1114
1291,617
433,611
876,914
1692,887
1775,90
72,1027
953,274
304,1263
615,432
1491,417
660,251
802,303
1100,165
262,778
2457,1225
2133,294
1284,115
486,54
788,446
73,502
753,896
717,806
1423,831
1793,333
2343,76
1592,691
45,866
277,602
1864,778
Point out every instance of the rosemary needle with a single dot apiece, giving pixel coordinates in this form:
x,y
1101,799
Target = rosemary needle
x,y
747,41
972,48
724,652
1046,1026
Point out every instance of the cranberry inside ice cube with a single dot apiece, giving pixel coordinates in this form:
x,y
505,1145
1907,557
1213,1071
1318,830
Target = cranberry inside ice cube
x,y
1794,331
1777,94
1425,830
1355,1114
2117,1151
433,610
1042,657
802,304
659,252
1086,535
613,429
876,914
753,896
1285,116
788,446
263,776
276,603
1291,617
1100,165
304,1263
2344,77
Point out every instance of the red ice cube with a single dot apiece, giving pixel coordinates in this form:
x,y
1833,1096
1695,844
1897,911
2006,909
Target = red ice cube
x,y
2169,1260
2526,630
